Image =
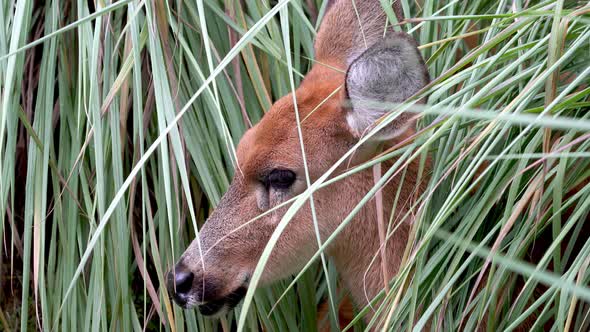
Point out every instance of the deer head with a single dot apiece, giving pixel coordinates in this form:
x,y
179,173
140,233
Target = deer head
x,y
358,60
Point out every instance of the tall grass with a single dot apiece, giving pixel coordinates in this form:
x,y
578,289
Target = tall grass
x,y
118,130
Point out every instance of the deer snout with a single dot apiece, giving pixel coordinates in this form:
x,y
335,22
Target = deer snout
x,y
212,294
179,282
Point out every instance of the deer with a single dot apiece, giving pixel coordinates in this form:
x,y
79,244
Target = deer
x,y
358,58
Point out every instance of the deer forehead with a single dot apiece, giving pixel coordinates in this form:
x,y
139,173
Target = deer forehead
x,y
274,141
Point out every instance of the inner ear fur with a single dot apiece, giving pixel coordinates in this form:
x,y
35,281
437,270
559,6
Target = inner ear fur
x,y
389,71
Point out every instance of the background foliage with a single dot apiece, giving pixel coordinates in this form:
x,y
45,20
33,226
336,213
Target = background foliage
x,y
118,127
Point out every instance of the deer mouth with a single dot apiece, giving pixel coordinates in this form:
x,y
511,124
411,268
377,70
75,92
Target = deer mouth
x,y
225,303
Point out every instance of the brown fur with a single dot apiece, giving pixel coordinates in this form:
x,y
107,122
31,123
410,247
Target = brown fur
x,y
345,314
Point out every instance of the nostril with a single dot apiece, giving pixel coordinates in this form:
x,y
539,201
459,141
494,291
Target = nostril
x,y
184,281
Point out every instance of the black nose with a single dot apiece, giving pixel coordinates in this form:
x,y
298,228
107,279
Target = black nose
x,y
184,282
180,284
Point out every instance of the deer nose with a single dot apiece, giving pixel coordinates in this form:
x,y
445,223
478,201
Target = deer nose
x,y
180,284
184,282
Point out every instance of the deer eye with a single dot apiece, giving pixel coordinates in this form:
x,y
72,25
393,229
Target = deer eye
x,y
280,179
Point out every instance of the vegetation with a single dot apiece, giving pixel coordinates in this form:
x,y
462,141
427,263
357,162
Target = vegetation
x,y
118,127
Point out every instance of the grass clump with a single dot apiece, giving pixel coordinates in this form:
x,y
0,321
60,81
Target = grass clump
x,y
118,130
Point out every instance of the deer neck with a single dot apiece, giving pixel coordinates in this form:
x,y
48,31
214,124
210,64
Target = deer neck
x,y
358,251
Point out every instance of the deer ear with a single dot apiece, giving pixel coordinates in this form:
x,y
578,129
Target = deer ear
x,y
389,71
